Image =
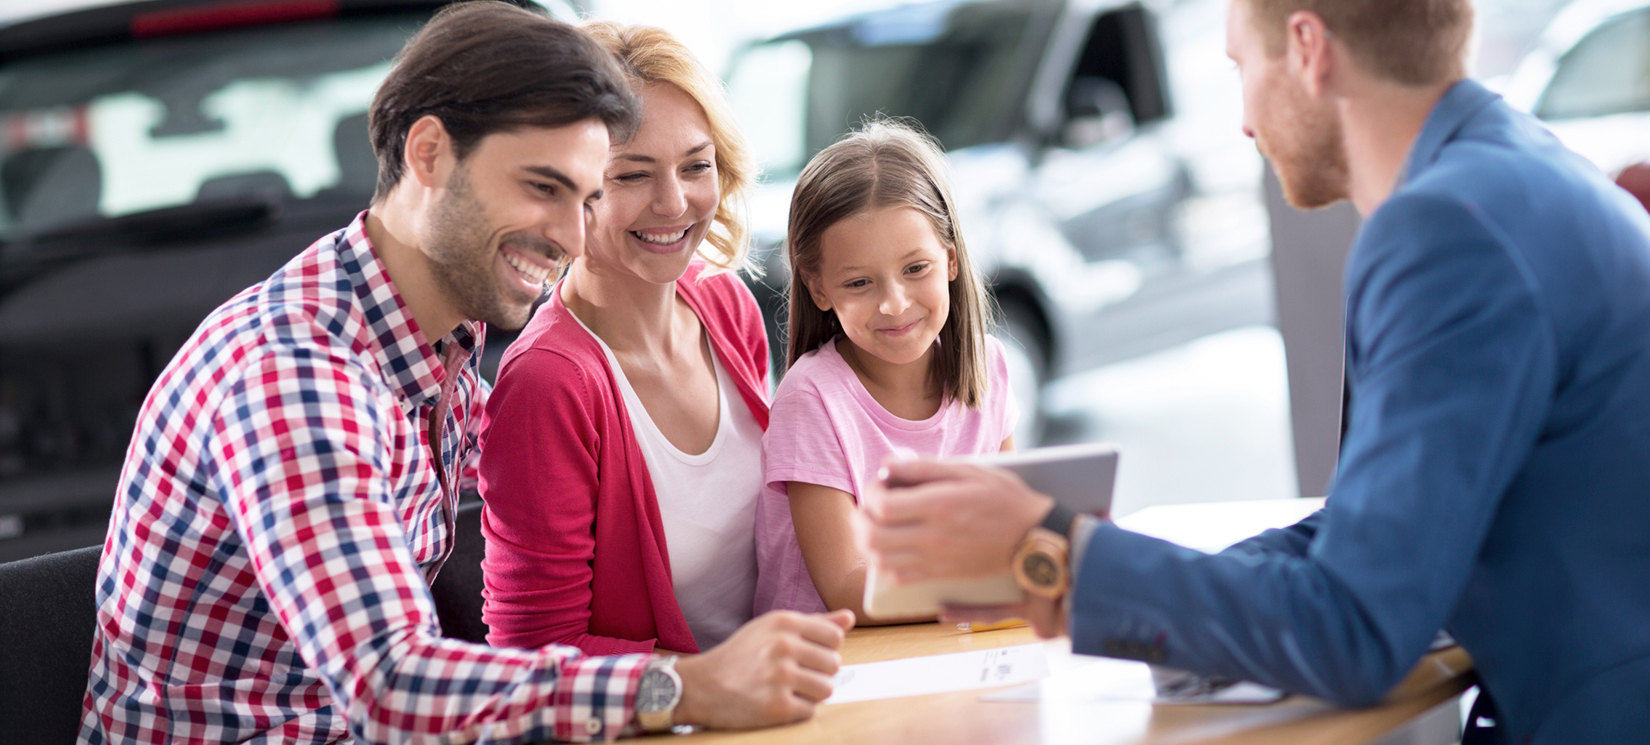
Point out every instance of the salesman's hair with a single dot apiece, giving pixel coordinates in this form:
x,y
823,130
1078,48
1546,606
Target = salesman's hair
x,y
652,56
484,67
1410,42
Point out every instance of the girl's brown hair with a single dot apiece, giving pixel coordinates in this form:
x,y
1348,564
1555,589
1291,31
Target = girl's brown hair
x,y
887,163
652,55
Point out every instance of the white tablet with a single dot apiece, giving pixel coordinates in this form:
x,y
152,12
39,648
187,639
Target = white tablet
x,y
1080,477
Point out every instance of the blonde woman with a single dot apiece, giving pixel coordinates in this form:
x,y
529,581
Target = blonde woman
x,y
622,460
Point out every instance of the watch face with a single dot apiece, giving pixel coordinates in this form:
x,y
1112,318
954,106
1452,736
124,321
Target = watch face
x,y
657,691
1041,570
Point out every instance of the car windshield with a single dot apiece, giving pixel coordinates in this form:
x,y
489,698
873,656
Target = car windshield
x,y
274,113
944,65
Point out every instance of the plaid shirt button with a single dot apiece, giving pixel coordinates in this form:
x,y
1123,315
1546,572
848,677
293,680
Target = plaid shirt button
x,y
593,726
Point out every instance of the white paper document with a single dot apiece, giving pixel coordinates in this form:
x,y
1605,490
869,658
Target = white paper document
x,y
917,676
1083,679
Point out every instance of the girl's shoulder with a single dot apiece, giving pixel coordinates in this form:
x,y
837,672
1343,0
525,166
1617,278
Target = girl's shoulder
x,y
821,372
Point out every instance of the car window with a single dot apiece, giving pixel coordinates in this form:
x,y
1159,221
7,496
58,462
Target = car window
x,y
1608,72
946,66
116,130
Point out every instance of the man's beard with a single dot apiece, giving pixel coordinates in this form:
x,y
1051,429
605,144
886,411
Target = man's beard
x,y
1307,151
462,260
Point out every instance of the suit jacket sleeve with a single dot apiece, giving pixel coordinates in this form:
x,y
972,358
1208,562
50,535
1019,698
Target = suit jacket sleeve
x,y
1453,364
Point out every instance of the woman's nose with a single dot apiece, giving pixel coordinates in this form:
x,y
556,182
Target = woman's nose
x,y
670,199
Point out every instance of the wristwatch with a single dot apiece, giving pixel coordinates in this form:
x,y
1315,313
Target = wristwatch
x,y
1042,564
657,696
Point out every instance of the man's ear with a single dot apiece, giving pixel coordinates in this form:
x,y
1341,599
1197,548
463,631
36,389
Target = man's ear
x,y
1308,51
814,291
429,152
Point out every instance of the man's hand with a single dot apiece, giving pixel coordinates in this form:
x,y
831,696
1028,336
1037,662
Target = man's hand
x,y
936,520
1047,617
773,670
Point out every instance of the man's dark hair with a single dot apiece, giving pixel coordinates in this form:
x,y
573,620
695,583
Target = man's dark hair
x,y
484,67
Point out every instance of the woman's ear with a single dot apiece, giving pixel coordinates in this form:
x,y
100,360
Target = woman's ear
x,y
951,265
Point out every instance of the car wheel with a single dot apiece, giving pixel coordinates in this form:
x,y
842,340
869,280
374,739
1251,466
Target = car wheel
x,y
1026,352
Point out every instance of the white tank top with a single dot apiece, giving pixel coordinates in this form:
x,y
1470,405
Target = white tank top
x,y
708,503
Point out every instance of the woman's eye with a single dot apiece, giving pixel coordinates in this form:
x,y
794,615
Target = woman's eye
x,y
916,268
699,168
629,178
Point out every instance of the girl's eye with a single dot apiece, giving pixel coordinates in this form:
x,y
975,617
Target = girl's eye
x,y
916,268
855,284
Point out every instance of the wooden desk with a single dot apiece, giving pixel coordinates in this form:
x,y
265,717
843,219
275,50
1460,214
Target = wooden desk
x,y
961,717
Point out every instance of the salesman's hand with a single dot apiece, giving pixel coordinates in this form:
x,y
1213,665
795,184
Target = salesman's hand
x,y
933,520
773,670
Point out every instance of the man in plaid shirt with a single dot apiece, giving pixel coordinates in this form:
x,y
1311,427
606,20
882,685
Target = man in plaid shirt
x,y
282,510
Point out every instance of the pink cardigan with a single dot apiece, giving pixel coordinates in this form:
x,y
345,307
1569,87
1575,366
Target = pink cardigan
x,y
576,550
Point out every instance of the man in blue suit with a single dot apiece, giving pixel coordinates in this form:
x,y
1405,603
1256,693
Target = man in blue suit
x,y
1494,479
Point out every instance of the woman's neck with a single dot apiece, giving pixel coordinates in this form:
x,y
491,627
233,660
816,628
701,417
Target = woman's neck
x,y
628,314
908,390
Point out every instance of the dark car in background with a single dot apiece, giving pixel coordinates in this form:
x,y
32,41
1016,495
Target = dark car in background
x,y
1052,113
155,159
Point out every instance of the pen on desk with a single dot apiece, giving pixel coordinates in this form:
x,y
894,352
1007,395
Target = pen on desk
x,y
1007,623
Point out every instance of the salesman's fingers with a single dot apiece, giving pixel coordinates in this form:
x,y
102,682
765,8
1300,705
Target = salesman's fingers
x,y
920,471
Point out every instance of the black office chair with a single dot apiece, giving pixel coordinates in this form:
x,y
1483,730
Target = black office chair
x,y
457,588
47,617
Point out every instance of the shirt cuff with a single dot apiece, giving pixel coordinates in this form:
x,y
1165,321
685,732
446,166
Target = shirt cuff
x,y
1081,531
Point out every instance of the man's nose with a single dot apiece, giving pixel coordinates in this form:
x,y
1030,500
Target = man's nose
x,y
568,230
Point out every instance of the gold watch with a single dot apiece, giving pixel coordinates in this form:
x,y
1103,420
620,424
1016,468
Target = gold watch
x,y
1041,565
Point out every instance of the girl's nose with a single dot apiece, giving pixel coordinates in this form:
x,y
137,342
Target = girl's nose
x,y
894,300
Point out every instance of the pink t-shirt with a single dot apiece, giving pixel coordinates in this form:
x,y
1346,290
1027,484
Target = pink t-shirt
x,y
826,429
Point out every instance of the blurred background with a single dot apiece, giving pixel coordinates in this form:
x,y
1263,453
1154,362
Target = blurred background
x,y
1105,189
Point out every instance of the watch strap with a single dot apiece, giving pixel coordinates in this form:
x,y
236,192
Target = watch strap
x,y
1059,519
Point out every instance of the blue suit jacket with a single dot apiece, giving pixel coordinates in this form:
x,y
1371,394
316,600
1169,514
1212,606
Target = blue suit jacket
x,y
1495,476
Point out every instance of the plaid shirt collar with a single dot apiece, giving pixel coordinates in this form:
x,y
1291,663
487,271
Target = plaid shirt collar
x,y
410,364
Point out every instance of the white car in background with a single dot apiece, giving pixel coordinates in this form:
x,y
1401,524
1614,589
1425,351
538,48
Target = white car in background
x,y
1588,79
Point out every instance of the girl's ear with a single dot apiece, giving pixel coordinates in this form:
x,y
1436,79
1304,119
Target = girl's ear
x,y
951,265
820,300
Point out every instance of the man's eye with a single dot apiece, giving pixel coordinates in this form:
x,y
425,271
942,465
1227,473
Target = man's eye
x,y
548,190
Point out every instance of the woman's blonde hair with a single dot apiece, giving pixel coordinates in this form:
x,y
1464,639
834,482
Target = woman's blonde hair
x,y
887,163
652,55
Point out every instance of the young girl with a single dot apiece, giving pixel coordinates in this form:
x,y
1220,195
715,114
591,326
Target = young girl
x,y
888,351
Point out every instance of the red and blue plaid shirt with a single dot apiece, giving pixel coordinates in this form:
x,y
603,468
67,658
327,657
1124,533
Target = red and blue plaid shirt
x,y
279,519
